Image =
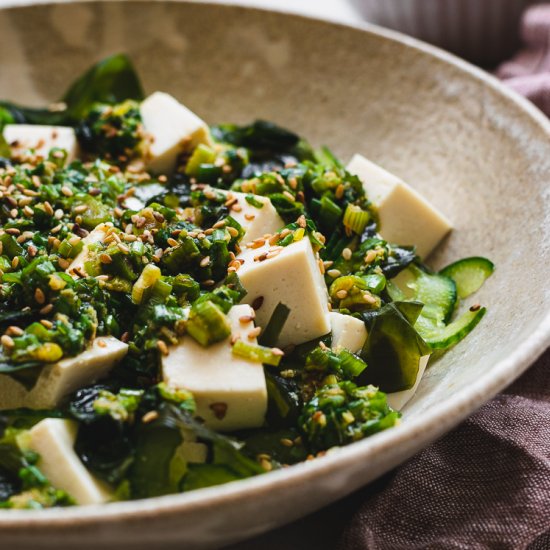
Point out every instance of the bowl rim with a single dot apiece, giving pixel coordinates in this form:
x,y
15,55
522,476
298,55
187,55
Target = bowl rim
x,y
444,415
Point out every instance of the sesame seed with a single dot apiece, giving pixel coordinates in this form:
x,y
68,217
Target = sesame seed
x,y
105,258
220,224
14,331
231,201
205,261
249,217
48,208
233,232
46,323
346,253
58,214
475,307
162,347
24,201
334,273
39,296
266,465
301,221
339,193
209,282
150,417
172,242
369,298
15,262
371,255
101,343
67,191
7,341
236,208
272,254
32,250
46,309
80,208
63,263
288,196
254,333
287,442
257,303
341,294
284,233
321,265
277,351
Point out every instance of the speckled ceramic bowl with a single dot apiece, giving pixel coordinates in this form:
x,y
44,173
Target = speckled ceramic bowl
x,y
479,152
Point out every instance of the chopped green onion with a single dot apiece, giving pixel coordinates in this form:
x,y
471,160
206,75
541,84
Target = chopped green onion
x,y
201,155
253,201
207,323
258,354
355,218
149,276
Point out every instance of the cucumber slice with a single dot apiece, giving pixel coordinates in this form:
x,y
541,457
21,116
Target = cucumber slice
x,y
442,338
469,274
437,292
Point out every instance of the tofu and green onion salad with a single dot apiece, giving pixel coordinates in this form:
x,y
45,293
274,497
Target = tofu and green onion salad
x,y
185,305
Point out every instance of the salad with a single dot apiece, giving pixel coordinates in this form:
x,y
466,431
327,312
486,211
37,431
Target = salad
x,y
184,305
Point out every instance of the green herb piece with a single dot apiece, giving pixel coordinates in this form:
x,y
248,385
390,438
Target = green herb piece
x,y
258,354
207,323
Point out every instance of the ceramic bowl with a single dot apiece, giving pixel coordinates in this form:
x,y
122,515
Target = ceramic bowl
x,y
479,152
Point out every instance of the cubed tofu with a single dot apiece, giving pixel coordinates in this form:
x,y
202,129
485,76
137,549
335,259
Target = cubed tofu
x,y
230,391
289,275
347,332
53,439
256,221
406,217
172,129
58,380
23,137
399,399
96,236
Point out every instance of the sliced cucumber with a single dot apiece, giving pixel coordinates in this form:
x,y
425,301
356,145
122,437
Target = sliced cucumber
x,y
469,274
437,292
443,337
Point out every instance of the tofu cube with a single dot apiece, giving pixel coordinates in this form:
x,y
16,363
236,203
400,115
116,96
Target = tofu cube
x,y
291,276
172,129
399,399
230,391
53,439
347,332
256,221
406,217
22,137
58,380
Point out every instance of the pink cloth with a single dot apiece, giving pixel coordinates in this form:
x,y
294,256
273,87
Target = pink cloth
x,y
529,71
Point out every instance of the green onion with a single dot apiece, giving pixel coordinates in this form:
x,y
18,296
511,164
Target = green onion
x,y
258,354
351,364
201,155
253,201
207,323
355,218
149,276
329,212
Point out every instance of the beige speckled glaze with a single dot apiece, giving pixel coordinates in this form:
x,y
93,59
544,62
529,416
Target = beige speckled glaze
x,y
479,152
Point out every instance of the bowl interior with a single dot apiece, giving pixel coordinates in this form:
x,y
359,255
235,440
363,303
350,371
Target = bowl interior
x,y
476,153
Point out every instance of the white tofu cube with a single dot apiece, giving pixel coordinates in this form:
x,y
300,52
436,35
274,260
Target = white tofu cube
x,y
292,276
256,221
230,391
53,439
397,400
172,129
347,332
96,236
58,380
406,217
22,137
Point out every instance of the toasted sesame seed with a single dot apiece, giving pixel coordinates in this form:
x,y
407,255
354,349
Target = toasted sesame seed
x,y
105,258
48,208
287,442
39,296
341,294
272,254
231,201
288,196
150,417
233,232
339,193
277,351
24,201
63,263
254,333
101,343
7,341
205,261
162,347
46,323
257,303
209,282
236,208
475,307
369,298
67,191
266,465
249,217
172,242
220,224
334,273
15,262
14,212
32,250
370,256
285,232
80,208
346,253
46,309
14,331
321,265
301,221
58,214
